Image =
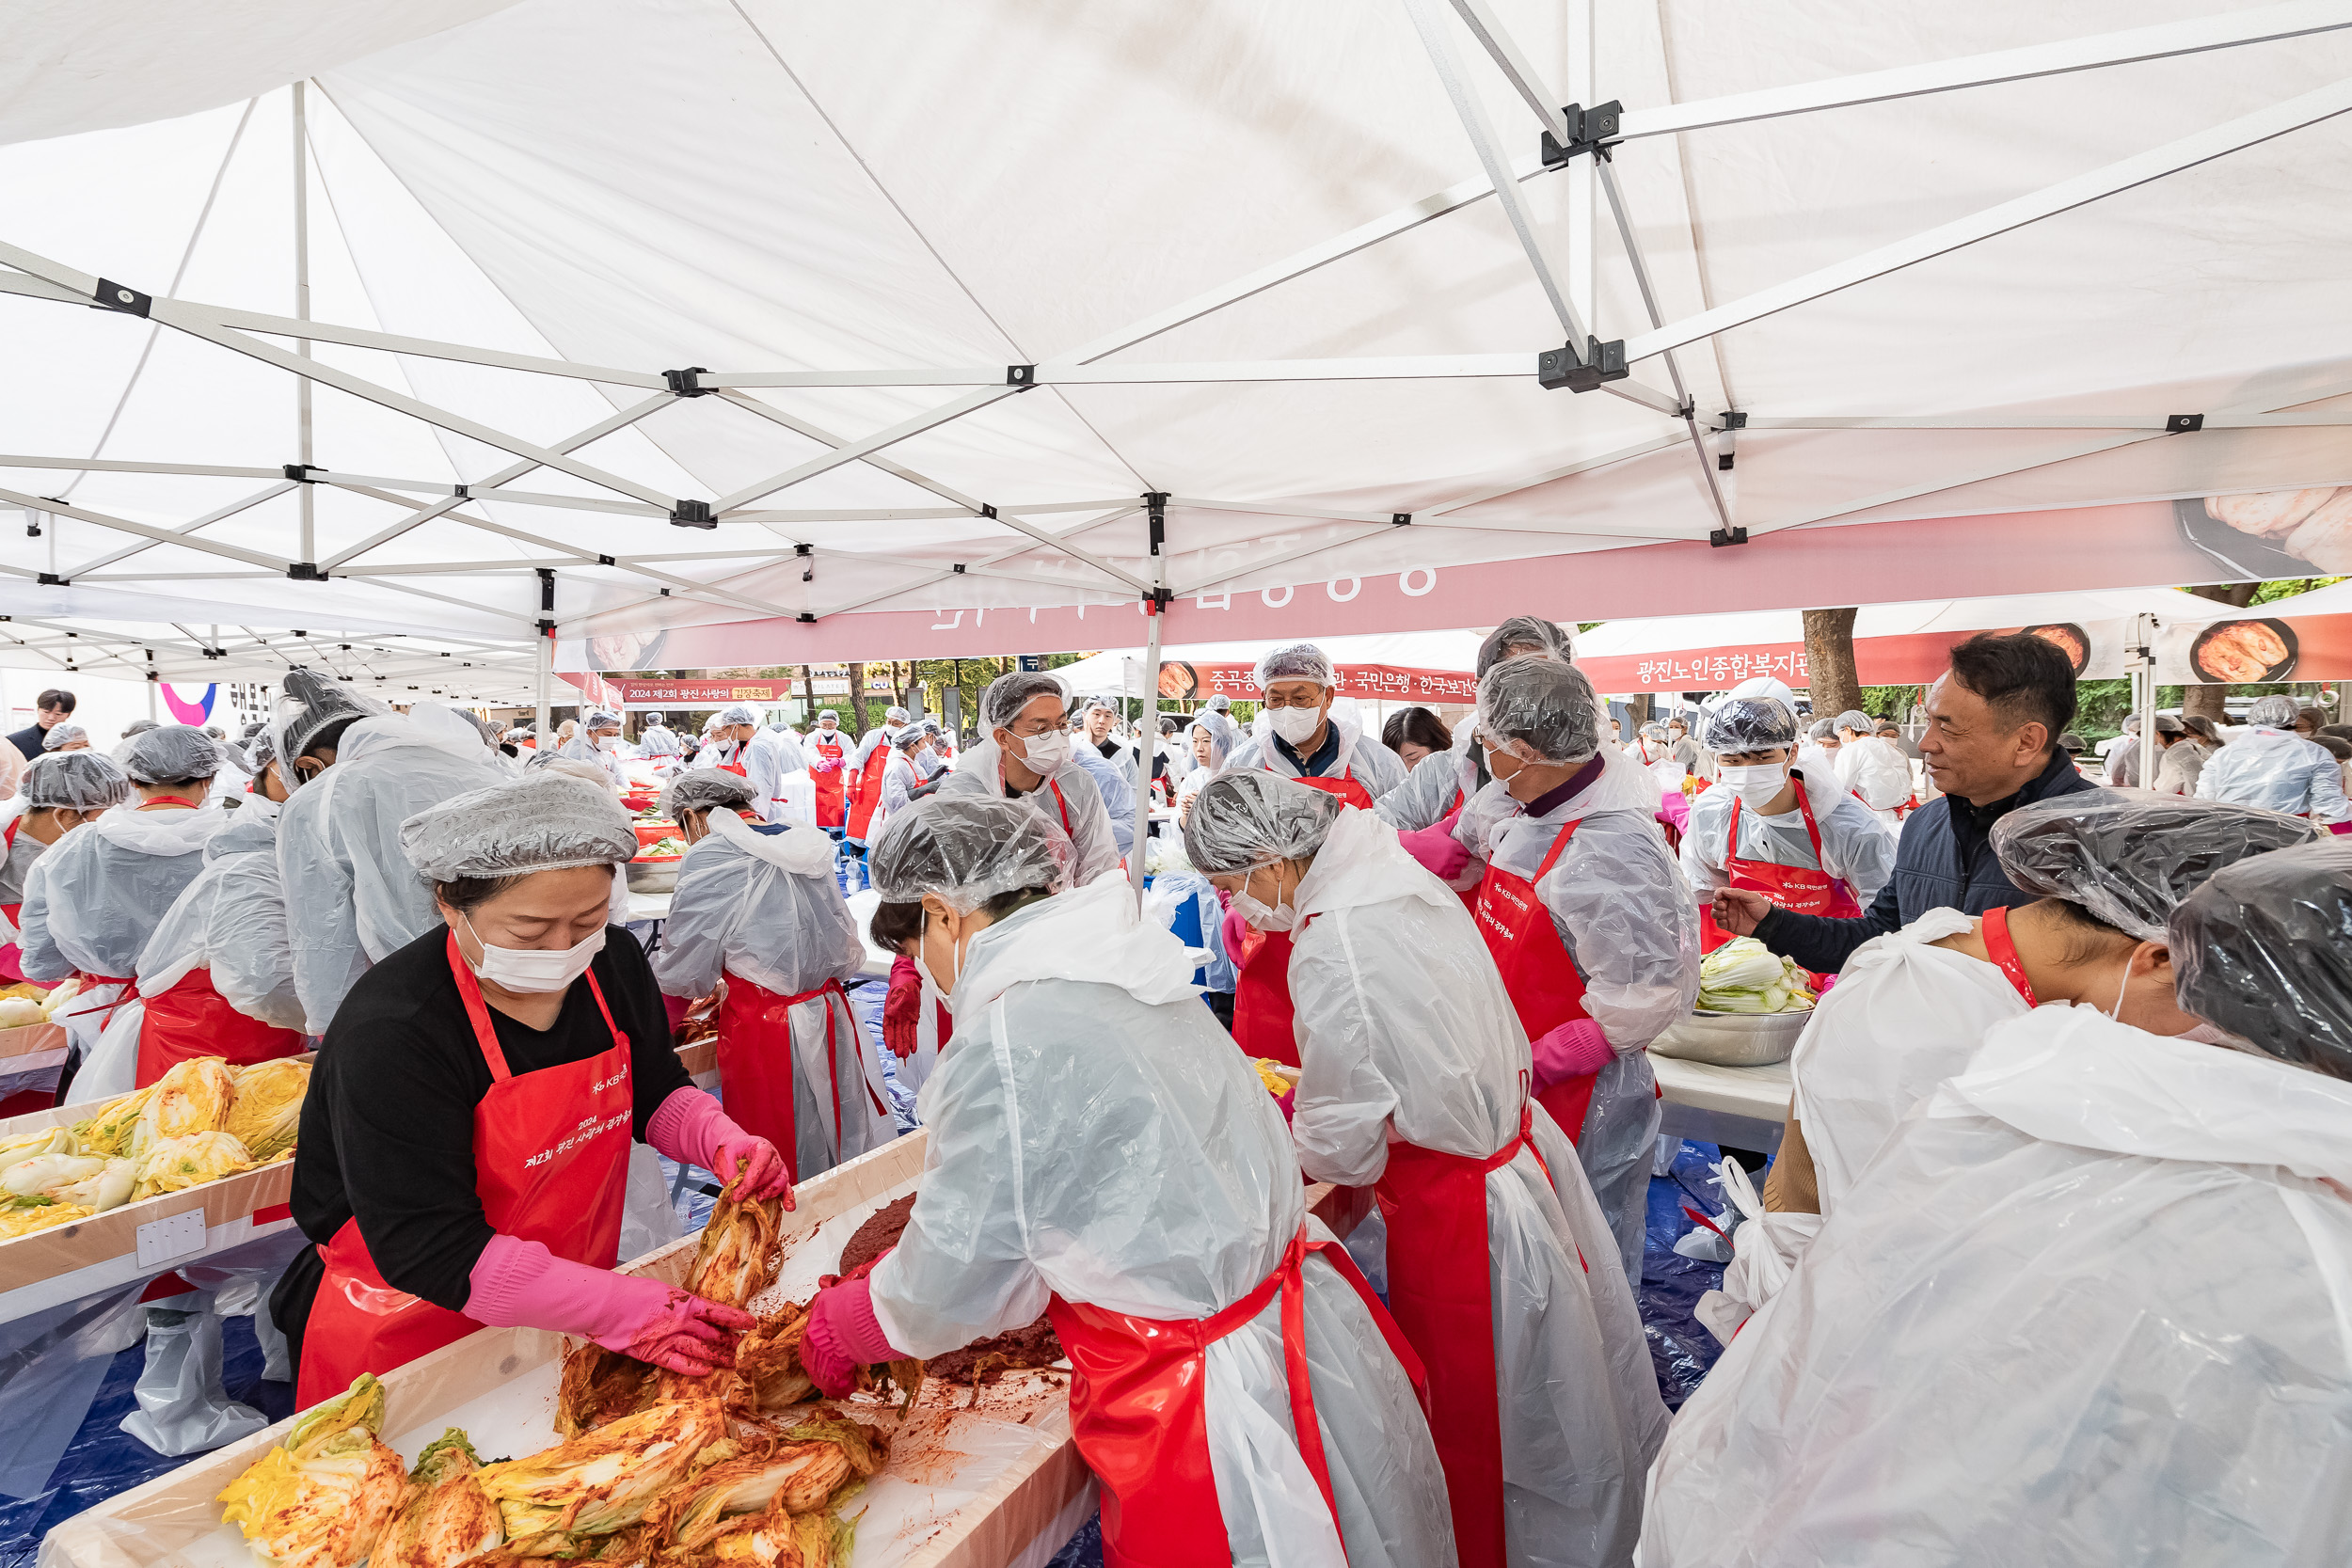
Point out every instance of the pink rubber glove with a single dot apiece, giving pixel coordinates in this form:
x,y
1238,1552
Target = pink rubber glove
x,y
1236,932
1436,849
1574,1049
842,1335
521,1284
690,1128
902,1009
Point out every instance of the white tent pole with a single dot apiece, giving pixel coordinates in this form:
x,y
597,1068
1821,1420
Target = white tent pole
x,y
2147,626
1583,72
309,551
543,658
1148,733
929,420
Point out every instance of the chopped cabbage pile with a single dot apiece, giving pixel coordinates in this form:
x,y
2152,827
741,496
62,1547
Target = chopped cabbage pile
x,y
1744,976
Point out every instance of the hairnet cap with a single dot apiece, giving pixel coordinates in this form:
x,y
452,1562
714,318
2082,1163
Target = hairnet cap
x,y
1856,720
1750,724
1540,710
1296,661
171,751
656,719
78,781
60,735
1240,821
896,715
735,713
1522,634
138,726
2274,713
2260,950
1220,703
602,719
1108,704
545,821
702,788
1008,694
2130,723
967,849
1654,730
2130,859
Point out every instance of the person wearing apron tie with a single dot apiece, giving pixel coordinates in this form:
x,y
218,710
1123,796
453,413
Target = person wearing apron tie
x,y
1100,1153
1795,836
1587,917
828,747
1501,1268
465,1143
58,793
759,908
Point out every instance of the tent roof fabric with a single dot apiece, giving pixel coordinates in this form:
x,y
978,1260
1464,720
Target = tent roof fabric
x,y
909,308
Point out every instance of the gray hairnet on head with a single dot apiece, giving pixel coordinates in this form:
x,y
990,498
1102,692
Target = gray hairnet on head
x,y
138,726
1240,821
1856,720
1220,703
1540,710
602,719
896,715
967,849
547,820
2260,950
2130,858
737,713
1108,704
1008,694
260,750
1654,730
701,788
1822,729
1220,740
1522,634
653,719
171,751
2130,723
2272,713
78,781
1294,661
60,735
1750,724
314,710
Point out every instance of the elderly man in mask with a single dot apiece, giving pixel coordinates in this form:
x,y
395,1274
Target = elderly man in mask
x,y
1304,732
598,743
1439,784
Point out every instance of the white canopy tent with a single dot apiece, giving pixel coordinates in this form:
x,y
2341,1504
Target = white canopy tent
x,y
1024,311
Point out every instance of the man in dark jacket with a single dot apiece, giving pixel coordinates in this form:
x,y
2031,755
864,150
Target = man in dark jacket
x,y
55,706
1993,721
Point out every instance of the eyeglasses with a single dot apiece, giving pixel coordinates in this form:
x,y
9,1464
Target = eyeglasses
x,y
1043,727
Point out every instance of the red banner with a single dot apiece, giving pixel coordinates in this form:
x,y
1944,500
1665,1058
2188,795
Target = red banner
x,y
1384,683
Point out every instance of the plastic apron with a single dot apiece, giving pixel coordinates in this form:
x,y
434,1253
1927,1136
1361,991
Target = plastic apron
x,y
1442,1295
548,1168
1141,1419
832,792
1263,1008
9,954
756,1057
866,799
1546,990
1799,889
194,1020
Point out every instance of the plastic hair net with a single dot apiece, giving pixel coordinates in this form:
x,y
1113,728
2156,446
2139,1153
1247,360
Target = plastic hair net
x,y
2130,859
735,713
2130,723
653,719
1007,695
543,821
138,726
62,734
2272,713
312,703
1220,703
702,788
1539,710
260,750
78,781
967,849
1296,661
1655,730
1240,821
171,751
1522,634
1108,704
2264,951
1220,742
603,719
1823,729
1855,721
1750,724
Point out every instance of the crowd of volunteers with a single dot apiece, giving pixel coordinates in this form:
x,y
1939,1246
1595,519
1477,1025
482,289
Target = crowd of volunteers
x,y
2050,1264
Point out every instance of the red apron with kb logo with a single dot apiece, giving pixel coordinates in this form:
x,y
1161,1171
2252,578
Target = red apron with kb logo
x,y
1799,889
194,1020
832,793
1546,990
756,1057
1263,1009
551,1152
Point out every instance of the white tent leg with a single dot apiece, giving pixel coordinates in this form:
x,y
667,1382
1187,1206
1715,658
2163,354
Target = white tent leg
x,y
309,551
543,678
1147,739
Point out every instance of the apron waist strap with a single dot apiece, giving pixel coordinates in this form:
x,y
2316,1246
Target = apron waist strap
x,y
90,982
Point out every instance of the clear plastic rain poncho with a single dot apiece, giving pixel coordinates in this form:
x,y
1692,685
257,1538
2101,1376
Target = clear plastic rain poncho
x,y
2279,771
1856,846
2131,859
2260,950
600,751
1094,1135
1070,799
315,708
1874,770
351,896
1361,756
1115,783
170,753
778,770
1616,900
901,771
763,906
551,822
968,851
218,922
1438,785
1241,821
2087,1307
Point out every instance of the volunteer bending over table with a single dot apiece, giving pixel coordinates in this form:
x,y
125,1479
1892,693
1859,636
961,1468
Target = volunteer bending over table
x,y
1796,836
2087,1307
1911,1009
1586,916
465,1143
757,906
1101,1153
60,791
1542,1398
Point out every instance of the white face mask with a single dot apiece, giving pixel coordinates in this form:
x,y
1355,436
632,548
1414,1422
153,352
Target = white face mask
x,y
944,995
1045,752
1755,785
1278,917
1294,724
535,969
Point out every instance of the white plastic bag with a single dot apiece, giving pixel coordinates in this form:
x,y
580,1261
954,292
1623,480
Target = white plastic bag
x,y
1765,1249
110,1067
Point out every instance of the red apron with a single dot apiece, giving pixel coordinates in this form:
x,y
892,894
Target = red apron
x,y
194,1020
1800,890
1263,1009
9,955
547,1168
1546,990
1141,1422
756,1063
2004,950
832,792
1439,1291
866,798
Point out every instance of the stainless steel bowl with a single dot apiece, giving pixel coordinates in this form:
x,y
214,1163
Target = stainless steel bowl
x,y
654,875
1732,1039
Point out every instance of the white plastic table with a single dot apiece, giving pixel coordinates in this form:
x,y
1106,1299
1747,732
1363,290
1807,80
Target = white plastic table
x,y
1743,1106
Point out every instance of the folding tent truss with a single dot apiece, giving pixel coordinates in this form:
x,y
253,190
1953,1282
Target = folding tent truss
x,y
598,527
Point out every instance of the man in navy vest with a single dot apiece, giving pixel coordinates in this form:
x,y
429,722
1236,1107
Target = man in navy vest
x,y
1993,722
